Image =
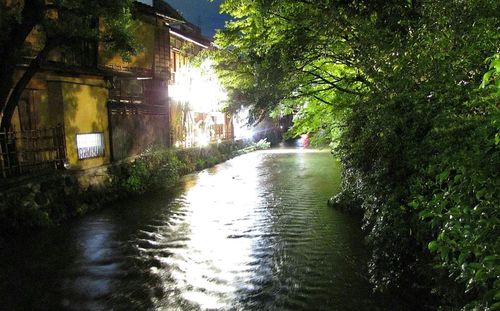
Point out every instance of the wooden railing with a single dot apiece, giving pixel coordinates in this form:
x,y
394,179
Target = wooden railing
x,y
28,152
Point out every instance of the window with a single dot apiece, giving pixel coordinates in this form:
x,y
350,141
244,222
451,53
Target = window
x,y
128,90
90,145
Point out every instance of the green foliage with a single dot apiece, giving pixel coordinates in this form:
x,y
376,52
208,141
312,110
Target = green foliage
x,y
161,168
60,24
69,22
262,144
50,200
109,22
402,92
458,200
147,172
492,77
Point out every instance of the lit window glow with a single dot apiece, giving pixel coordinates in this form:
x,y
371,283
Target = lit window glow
x,y
199,87
202,139
199,90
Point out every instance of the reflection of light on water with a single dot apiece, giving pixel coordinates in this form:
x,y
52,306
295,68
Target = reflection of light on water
x,y
203,300
219,243
95,266
280,246
294,150
210,269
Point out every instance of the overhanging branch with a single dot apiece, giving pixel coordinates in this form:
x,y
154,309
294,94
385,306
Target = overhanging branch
x,y
16,93
333,84
322,100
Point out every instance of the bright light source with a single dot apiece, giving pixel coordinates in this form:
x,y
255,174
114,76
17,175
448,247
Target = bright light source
x,y
199,87
202,140
241,128
199,90
248,133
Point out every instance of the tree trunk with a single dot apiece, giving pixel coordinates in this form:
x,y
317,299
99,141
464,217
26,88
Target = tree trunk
x,y
15,95
31,15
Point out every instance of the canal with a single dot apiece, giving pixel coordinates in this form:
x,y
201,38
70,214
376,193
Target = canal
x,y
253,233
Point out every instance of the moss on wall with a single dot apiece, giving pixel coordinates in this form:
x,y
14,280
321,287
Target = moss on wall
x,y
85,111
45,111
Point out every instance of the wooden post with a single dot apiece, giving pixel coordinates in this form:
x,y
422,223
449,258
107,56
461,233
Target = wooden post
x,y
2,154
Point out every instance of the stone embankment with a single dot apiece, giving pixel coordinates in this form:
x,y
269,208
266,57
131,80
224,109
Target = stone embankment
x,y
48,200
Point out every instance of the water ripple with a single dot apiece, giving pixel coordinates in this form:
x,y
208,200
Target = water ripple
x,y
251,234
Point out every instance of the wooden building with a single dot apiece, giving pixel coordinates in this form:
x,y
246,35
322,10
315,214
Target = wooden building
x,y
85,109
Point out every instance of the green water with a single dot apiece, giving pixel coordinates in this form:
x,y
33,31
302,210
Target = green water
x,y
253,233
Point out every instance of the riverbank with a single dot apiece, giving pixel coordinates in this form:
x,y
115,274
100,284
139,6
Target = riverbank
x,y
252,234
49,200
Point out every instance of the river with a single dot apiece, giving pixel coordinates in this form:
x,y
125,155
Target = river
x,y
253,233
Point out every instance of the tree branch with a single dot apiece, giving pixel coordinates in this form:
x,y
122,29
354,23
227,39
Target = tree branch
x,y
322,100
31,15
339,88
304,94
16,93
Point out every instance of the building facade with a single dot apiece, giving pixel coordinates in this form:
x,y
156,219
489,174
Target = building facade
x,y
85,108
194,92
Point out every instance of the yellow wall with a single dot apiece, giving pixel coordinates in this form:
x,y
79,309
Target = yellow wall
x,y
84,106
79,104
144,32
15,123
48,113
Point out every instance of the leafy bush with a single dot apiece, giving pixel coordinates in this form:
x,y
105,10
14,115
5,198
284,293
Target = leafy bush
x,y
160,167
55,198
254,146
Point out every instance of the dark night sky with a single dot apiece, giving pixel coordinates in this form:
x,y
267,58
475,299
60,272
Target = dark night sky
x,y
202,13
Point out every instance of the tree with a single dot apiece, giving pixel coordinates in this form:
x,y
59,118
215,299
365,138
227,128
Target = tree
x,y
395,85
62,23
273,53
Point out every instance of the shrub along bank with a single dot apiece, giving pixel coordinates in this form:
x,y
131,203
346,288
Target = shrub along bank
x,y
163,167
51,199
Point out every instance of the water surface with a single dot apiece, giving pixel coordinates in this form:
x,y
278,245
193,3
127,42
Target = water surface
x,y
253,233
